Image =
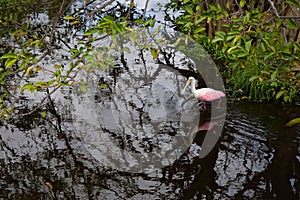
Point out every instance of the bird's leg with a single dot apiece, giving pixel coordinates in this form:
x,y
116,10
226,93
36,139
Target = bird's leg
x,y
219,103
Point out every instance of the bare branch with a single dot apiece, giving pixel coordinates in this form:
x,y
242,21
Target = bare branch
x,y
278,16
289,17
145,9
91,14
274,8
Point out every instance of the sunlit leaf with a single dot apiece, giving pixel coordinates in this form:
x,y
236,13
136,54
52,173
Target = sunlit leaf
x,y
199,30
286,98
252,78
48,183
237,38
10,62
83,88
74,22
103,86
109,19
29,86
9,55
228,5
139,21
293,122
265,72
152,23
154,53
230,49
68,18
43,114
242,3
279,94
189,9
217,39
29,69
248,45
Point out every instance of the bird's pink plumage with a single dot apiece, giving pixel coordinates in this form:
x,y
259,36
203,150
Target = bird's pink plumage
x,y
208,94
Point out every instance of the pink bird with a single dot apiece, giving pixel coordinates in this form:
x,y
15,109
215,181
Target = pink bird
x,y
204,94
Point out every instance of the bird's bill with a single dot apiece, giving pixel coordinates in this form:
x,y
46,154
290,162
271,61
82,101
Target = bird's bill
x,y
186,85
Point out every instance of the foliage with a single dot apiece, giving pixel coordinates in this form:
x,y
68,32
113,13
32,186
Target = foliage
x,y
20,64
293,122
251,45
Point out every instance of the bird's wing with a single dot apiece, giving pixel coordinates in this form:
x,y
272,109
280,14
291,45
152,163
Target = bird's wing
x,y
208,94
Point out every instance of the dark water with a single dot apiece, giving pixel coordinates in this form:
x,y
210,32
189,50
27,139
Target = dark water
x,y
256,157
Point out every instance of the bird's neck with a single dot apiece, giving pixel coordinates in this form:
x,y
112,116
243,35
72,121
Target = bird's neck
x,y
193,88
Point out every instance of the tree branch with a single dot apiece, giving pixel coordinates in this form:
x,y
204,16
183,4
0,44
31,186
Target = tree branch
x,y
274,8
91,14
145,9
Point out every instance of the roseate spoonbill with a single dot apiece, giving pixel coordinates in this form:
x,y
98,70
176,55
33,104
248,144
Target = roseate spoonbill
x,y
203,94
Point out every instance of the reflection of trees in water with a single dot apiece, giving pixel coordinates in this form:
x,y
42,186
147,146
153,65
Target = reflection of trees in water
x,y
53,163
142,117
242,158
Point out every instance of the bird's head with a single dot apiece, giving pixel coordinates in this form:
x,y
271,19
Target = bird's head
x,y
191,80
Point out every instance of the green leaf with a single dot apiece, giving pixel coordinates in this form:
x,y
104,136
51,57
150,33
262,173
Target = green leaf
x,y
236,39
126,49
154,53
91,31
10,62
293,3
230,37
228,5
293,122
242,3
199,30
252,78
43,114
188,9
83,88
243,54
268,55
279,94
199,20
109,19
9,55
139,21
286,98
153,21
177,42
29,86
68,18
231,48
291,24
58,75
217,39
233,32
274,74
248,45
